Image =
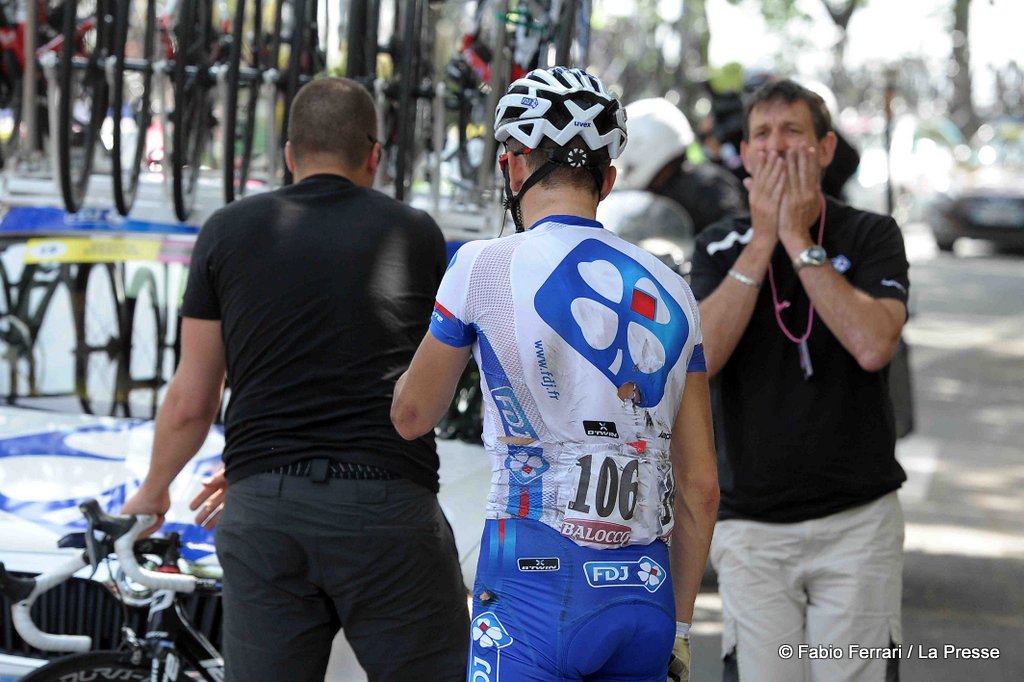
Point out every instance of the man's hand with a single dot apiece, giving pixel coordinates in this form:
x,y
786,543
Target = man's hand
x,y
801,200
146,501
765,188
210,500
679,663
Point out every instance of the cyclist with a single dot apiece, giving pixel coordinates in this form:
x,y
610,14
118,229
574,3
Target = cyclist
x,y
596,407
656,160
313,298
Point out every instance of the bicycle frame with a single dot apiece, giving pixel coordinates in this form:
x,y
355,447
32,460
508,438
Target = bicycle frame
x,y
172,643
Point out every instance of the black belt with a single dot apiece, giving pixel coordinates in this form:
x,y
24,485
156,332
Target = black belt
x,y
321,469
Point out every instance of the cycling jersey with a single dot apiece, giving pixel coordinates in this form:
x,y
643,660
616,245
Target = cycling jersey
x,y
583,342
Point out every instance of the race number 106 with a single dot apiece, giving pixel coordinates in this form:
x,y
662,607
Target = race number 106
x,y
615,490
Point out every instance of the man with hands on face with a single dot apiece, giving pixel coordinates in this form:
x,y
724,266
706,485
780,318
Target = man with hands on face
x,y
802,304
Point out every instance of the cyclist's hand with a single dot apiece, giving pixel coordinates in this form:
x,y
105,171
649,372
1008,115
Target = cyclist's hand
x,y
210,500
145,501
679,664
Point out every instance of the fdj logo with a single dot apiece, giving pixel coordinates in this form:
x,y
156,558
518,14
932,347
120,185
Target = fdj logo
x,y
489,637
529,102
617,315
512,414
646,573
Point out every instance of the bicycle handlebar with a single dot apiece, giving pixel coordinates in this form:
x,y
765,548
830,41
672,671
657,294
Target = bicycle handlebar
x,y
124,546
124,530
21,612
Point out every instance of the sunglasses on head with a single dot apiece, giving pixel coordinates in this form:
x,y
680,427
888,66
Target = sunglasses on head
x,y
503,159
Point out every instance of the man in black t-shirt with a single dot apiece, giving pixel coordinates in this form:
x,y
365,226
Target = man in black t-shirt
x,y
802,305
311,300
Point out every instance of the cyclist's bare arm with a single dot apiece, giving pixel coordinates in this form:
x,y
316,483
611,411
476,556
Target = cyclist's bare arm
x,y
424,392
184,419
696,505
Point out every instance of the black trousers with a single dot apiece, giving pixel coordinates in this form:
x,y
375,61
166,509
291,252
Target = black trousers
x,y
302,559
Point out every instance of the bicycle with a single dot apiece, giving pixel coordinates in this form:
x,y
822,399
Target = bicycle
x,y
538,34
28,300
172,647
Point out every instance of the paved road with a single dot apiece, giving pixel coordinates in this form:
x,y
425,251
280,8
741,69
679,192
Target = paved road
x,y
964,506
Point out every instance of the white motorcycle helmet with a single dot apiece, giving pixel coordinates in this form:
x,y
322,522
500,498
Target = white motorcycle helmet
x,y
658,133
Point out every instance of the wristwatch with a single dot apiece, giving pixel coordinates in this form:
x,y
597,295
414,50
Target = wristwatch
x,y
813,256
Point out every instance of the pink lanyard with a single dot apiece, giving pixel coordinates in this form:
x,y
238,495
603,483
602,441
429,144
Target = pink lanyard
x,y
805,354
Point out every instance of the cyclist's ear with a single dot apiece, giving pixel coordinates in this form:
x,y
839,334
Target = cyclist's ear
x,y
289,159
609,182
376,152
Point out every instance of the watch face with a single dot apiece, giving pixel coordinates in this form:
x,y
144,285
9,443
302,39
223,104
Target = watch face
x,y
814,255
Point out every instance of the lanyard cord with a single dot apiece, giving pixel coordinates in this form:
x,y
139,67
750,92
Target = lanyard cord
x,y
780,306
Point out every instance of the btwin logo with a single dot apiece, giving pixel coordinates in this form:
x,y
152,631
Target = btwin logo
x,y
532,565
646,573
603,429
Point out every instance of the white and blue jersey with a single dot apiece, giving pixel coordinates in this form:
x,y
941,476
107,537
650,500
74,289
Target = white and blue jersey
x,y
583,342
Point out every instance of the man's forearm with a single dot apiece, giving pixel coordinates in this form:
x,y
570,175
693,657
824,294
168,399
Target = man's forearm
x,y
726,313
696,509
178,435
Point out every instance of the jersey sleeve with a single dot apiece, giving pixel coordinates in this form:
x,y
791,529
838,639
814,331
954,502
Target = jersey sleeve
x,y
696,362
708,269
450,322
882,272
200,299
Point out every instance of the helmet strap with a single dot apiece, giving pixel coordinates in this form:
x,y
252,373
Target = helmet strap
x,y
513,202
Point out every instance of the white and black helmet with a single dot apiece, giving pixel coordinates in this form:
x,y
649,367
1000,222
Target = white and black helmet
x,y
561,104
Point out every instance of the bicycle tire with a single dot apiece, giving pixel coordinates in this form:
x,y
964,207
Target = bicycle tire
x,y
190,118
125,170
142,357
362,47
13,338
76,166
101,666
98,338
236,167
13,103
292,77
408,84
572,42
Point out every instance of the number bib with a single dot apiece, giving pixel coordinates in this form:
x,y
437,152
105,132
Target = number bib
x,y
618,500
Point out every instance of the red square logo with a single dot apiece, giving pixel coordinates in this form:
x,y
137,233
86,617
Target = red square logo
x,y
643,304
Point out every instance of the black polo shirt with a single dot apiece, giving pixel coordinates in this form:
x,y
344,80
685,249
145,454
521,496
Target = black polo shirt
x,y
324,290
789,448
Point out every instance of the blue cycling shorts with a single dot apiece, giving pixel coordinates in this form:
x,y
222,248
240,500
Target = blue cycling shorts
x,y
546,609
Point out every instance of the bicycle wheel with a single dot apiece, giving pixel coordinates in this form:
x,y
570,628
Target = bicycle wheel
x,y
135,41
15,344
243,90
293,76
413,73
10,106
143,359
572,39
99,666
82,104
361,52
98,310
191,117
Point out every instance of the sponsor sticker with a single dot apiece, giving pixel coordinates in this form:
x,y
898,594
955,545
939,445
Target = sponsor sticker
x,y
602,429
596,532
538,564
645,572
